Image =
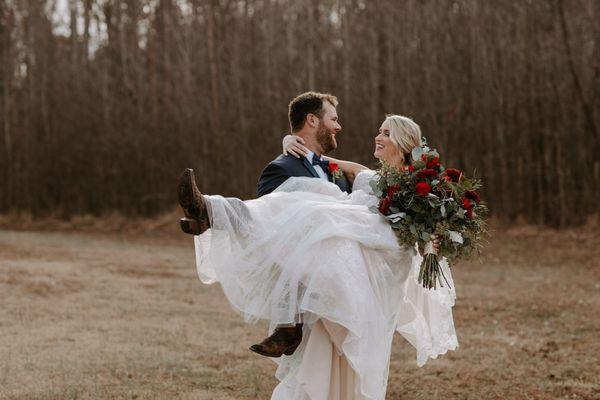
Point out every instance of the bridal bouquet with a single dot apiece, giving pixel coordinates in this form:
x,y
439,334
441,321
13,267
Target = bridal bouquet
x,y
427,199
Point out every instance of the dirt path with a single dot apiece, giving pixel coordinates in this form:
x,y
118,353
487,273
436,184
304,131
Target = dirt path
x,y
118,317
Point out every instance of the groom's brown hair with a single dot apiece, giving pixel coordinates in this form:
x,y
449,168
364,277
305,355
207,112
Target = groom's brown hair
x,y
308,103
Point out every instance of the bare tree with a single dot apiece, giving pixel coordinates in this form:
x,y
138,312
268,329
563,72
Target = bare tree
x,y
102,115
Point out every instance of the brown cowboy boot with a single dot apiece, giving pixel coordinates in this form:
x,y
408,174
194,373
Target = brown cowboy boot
x,y
282,341
196,216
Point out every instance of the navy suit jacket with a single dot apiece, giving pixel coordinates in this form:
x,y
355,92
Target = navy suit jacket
x,y
284,167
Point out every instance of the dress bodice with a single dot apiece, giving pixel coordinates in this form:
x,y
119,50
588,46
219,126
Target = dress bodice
x,y
363,179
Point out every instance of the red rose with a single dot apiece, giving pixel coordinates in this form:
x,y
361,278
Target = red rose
x,y
427,173
454,174
423,157
333,167
422,188
473,195
392,189
384,205
411,168
469,213
435,163
466,204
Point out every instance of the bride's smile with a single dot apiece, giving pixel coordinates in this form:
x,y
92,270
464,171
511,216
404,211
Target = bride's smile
x,y
385,150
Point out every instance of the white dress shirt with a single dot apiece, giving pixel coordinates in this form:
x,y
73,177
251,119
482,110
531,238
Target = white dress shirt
x,y
317,168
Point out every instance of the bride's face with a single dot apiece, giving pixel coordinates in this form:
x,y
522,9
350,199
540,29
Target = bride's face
x,y
385,149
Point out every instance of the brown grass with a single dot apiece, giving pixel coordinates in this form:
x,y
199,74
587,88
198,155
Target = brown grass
x,y
123,316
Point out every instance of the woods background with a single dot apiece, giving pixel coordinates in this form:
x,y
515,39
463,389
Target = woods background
x,y
104,102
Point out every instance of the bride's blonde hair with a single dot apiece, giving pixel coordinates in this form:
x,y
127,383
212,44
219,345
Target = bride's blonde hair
x,y
405,134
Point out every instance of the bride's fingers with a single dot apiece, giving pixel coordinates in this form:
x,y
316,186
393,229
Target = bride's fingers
x,y
293,149
293,152
298,149
301,149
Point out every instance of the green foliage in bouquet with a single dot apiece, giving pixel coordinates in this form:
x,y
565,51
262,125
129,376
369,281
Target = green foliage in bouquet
x,y
425,199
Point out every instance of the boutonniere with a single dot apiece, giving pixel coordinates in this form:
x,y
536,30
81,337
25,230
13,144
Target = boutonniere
x,y
335,172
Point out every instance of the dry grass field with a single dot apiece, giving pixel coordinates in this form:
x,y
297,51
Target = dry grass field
x,y
123,316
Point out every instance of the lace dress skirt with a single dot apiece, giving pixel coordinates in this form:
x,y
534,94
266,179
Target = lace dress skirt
x,y
310,249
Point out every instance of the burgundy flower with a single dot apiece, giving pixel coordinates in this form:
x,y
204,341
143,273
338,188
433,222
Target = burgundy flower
x,y
435,163
392,189
384,205
427,173
454,174
468,206
422,188
473,195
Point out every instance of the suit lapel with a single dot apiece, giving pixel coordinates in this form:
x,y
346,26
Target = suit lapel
x,y
309,167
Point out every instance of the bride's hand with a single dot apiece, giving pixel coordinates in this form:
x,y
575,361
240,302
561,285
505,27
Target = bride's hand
x,y
294,145
435,244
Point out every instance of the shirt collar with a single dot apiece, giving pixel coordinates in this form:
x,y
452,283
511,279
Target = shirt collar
x,y
310,156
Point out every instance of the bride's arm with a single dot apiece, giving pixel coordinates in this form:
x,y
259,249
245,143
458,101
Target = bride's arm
x,y
294,145
349,168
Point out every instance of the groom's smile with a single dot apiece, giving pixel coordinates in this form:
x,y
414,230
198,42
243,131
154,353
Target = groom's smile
x,y
329,127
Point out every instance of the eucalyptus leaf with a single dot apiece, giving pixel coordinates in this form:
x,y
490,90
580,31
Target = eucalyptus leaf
x,y
416,153
456,237
413,230
397,216
443,210
426,236
373,183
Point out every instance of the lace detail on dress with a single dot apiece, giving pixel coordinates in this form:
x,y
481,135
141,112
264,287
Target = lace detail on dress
x,y
309,248
425,319
362,181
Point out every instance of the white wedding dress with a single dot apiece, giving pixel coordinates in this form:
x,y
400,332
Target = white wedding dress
x,y
310,248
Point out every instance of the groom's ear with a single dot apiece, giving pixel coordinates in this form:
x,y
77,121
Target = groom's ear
x,y
312,120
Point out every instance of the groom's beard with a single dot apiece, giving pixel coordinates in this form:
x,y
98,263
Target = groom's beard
x,y
326,138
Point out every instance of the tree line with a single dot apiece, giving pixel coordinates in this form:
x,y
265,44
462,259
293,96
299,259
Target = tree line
x,y
104,103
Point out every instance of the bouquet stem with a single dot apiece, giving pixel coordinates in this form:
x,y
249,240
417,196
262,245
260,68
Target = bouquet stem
x,y
431,272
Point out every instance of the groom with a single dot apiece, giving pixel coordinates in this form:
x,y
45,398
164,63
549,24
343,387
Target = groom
x,y
314,118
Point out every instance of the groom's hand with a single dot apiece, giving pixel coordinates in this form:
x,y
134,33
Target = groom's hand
x,y
294,145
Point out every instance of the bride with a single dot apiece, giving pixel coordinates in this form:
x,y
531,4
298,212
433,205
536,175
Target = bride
x,y
308,248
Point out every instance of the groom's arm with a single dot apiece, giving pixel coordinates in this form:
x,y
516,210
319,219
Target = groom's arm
x,y
272,176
